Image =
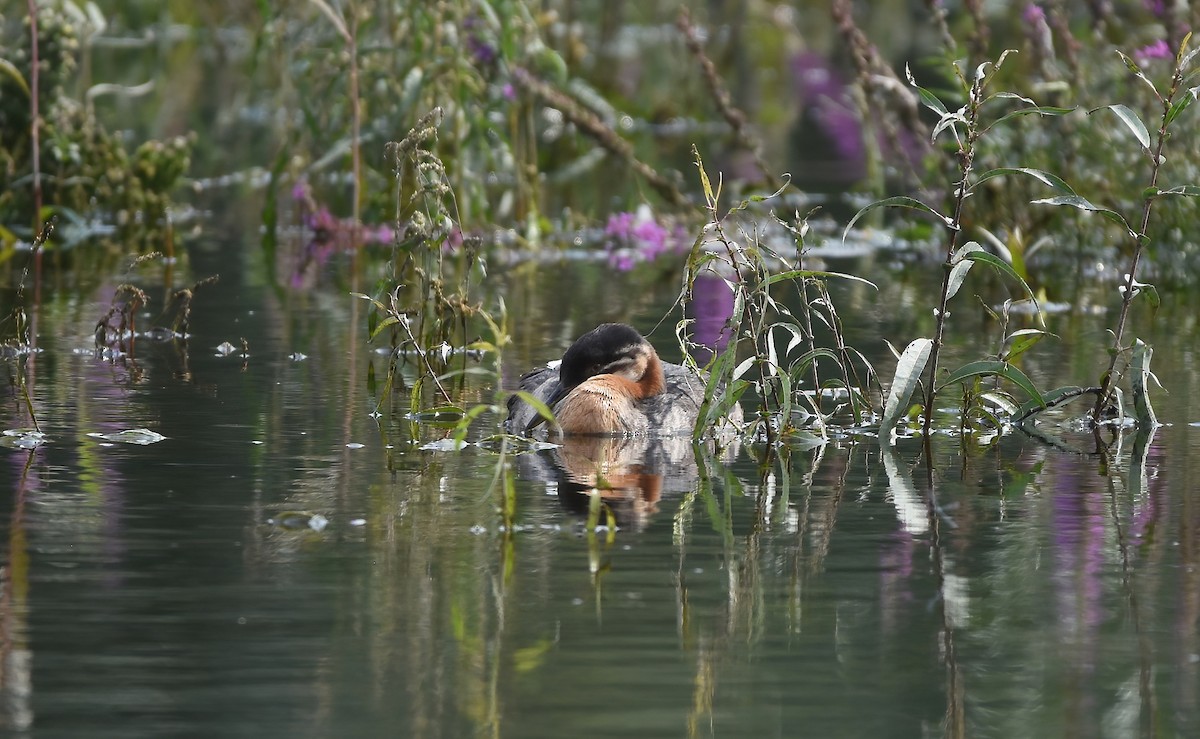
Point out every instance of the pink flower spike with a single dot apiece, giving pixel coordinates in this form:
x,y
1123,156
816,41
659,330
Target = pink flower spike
x,y
1156,50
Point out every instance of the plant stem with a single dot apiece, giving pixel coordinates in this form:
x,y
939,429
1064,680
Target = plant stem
x,y
966,156
1107,381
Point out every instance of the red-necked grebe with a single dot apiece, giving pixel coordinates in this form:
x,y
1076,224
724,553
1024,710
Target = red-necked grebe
x,y
611,382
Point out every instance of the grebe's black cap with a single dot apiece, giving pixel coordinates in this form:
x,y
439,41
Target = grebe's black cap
x,y
595,350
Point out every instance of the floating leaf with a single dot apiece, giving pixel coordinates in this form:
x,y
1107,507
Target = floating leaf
x,y
445,414
22,438
141,437
445,445
299,520
908,375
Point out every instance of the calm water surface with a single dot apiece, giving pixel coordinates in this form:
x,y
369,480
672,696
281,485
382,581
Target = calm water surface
x,y
146,593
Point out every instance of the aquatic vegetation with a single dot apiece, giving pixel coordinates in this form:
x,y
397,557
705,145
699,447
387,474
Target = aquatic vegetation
x,y
69,163
22,342
1173,102
967,127
781,342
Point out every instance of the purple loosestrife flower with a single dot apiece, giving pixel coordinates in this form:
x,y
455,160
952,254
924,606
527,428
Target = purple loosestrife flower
x,y
1156,50
1033,14
639,237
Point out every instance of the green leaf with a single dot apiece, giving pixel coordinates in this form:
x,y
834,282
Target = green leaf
x,y
1041,176
1041,110
1179,106
10,70
961,266
541,408
992,368
1187,191
1132,122
1051,398
1019,342
1140,373
389,321
899,201
1150,294
1002,266
908,375
1009,96
1137,72
794,274
928,99
1076,201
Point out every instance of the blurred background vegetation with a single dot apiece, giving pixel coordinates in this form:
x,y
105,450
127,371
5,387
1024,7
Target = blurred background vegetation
x,y
559,113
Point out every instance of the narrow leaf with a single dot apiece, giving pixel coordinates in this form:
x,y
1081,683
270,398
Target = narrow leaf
x,y
1140,373
1007,269
794,274
10,69
898,201
1179,106
1132,122
1019,342
961,267
992,368
928,99
1041,176
1188,191
1137,72
537,405
908,376
1076,201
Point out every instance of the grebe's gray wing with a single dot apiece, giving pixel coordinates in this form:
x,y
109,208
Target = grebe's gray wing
x,y
543,384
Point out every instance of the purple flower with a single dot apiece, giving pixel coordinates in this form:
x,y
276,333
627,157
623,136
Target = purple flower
x,y
639,237
322,221
300,190
652,238
1157,7
483,53
1156,50
508,91
619,226
1033,14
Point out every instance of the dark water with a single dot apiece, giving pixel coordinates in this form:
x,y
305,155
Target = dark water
x,y
145,592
